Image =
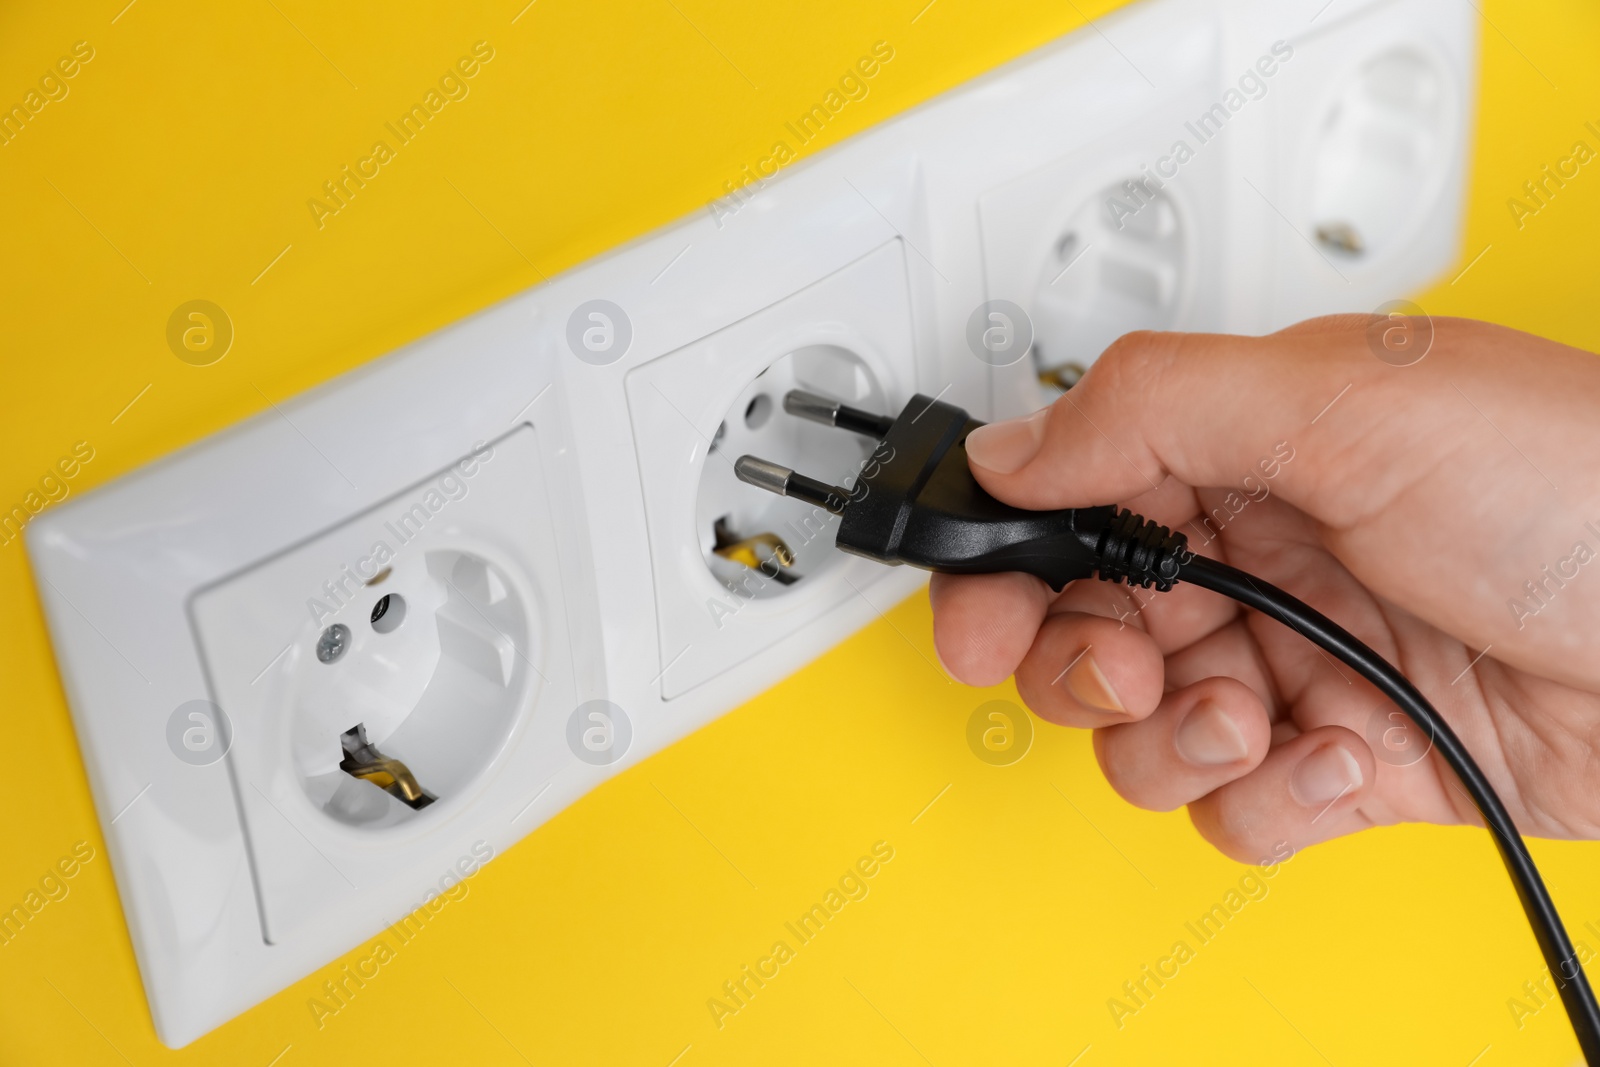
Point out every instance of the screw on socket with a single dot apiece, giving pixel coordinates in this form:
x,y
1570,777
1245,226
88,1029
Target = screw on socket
x,y
333,643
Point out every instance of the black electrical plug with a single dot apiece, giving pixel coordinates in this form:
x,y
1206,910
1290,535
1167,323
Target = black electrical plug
x,y
915,501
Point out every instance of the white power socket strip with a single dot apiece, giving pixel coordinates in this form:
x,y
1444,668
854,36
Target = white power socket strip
x,y
533,494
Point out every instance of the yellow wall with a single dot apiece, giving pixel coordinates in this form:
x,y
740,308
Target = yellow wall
x,y
178,168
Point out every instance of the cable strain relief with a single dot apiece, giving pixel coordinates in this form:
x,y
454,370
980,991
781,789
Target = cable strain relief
x,y
1140,552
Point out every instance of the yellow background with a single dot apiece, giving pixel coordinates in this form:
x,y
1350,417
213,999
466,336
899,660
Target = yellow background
x,y
179,167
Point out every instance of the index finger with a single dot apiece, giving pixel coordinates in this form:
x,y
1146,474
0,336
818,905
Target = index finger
x,y
1207,409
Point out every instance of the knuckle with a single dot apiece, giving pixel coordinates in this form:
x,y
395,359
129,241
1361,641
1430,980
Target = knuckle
x,y
1127,764
1135,360
1223,829
966,655
1035,693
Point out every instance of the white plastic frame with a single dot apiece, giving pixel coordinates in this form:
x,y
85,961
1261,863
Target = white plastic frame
x,y
119,568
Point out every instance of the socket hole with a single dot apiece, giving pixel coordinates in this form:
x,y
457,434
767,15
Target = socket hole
x,y
758,411
1066,247
440,694
388,613
380,576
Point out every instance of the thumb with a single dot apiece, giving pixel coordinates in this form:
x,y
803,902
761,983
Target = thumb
x,y
1208,409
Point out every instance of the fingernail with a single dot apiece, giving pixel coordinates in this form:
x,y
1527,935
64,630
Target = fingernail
x,y
1004,447
1324,776
1086,681
1207,737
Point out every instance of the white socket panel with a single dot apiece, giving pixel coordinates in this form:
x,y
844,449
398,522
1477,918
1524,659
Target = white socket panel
x,y
576,571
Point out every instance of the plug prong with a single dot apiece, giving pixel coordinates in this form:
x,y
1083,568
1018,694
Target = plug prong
x,y
764,474
811,406
821,409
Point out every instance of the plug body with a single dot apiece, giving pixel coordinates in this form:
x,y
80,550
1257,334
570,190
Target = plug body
x,y
916,502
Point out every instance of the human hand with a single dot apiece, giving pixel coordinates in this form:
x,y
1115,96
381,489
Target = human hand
x,y
1447,513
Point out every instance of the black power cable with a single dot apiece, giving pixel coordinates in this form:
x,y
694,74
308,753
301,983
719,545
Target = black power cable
x,y
1559,955
915,501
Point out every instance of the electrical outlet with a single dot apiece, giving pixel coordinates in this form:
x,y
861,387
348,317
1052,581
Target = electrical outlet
x,y
723,590
412,647
1351,193
325,664
1111,226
